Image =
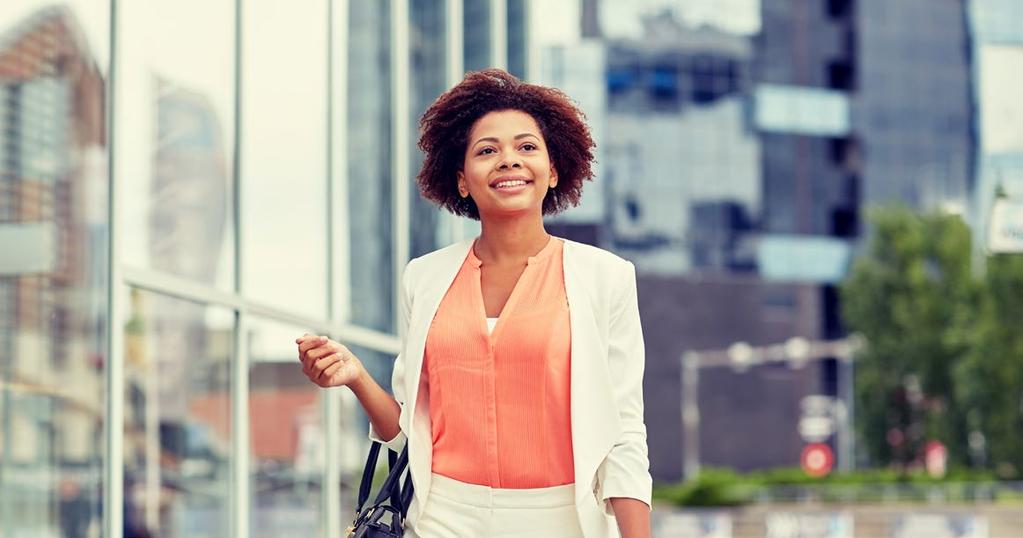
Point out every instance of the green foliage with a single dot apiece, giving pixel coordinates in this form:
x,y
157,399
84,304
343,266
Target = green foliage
x,y
724,487
713,487
944,355
990,378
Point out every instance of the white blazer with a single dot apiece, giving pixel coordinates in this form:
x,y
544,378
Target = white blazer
x,y
608,433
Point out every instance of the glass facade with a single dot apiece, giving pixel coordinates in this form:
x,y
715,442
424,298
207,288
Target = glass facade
x,y
54,268
181,217
284,154
177,433
518,37
250,153
286,437
369,164
997,30
476,34
428,226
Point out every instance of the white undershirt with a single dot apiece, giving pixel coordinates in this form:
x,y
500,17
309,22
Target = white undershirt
x,y
490,324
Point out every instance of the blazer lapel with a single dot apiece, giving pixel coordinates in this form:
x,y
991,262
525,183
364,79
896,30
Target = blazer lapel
x,y
592,393
433,278
432,284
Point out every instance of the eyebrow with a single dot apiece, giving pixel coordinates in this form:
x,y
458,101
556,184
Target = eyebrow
x,y
495,140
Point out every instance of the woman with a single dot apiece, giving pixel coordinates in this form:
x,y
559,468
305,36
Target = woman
x,y
519,384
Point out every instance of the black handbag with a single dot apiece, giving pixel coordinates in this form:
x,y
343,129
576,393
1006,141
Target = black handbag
x,y
385,518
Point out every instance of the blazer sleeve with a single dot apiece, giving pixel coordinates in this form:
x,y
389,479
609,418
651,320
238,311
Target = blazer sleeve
x,y
398,374
625,472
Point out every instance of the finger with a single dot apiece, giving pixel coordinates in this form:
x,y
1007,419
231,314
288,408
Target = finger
x,y
308,342
307,365
320,365
303,353
316,374
304,337
311,343
322,351
328,372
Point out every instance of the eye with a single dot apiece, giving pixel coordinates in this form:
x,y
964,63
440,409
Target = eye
x,y
486,151
528,146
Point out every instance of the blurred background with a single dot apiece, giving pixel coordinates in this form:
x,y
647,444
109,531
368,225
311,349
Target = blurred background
x,y
823,200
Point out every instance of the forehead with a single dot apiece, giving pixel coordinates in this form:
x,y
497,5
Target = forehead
x,y
503,122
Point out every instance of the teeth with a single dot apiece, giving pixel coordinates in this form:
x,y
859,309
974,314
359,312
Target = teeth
x,y
514,183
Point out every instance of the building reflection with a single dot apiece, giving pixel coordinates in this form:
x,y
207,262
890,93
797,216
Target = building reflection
x,y
177,383
53,190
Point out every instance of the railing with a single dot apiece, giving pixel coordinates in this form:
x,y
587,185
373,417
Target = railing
x,y
935,493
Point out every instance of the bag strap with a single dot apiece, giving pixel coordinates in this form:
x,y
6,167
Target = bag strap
x,y
392,486
399,494
392,461
367,475
406,495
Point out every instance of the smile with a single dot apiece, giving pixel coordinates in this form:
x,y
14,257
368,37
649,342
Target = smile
x,y
510,184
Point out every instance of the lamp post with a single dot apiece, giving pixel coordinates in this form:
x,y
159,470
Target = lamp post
x,y
741,356
690,415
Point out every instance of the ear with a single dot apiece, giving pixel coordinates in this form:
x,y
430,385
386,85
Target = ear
x,y
463,191
554,176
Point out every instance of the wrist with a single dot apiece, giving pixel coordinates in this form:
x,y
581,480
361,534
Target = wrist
x,y
361,381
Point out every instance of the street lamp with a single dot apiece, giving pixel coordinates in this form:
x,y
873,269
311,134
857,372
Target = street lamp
x,y
741,356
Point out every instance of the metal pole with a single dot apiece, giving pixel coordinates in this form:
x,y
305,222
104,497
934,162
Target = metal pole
x,y
400,150
151,384
7,379
847,448
113,345
690,415
499,34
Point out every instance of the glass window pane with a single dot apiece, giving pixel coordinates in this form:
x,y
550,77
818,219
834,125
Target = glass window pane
x,y
517,38
53,253
287,438
179,210
369,165
429,226
284,155
177,441
476,36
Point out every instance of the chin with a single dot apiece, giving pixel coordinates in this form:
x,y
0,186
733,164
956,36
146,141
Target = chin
x,y
514,210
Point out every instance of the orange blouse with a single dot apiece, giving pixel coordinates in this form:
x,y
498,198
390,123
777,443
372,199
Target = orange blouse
x,y
499,402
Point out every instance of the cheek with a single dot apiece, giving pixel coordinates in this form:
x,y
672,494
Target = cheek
x,y
473,168
474,179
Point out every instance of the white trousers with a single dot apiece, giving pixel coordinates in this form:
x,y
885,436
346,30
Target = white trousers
x,y
456,509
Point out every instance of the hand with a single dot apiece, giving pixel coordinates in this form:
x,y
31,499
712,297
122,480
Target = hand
x,y
326,362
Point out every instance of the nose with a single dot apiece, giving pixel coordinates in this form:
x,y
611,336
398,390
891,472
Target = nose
x,y
509,163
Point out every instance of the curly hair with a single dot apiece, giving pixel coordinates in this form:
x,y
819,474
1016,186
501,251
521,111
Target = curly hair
x,y
444,136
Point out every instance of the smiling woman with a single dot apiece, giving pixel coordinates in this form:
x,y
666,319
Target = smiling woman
x,y
554,126
519,386
508,157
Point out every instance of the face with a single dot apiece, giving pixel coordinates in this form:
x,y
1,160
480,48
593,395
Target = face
x,y
507,169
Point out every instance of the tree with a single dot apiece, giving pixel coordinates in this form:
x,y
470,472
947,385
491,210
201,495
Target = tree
x,y
912,297
990,378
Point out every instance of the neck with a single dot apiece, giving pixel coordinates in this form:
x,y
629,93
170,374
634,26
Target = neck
x,y
510,241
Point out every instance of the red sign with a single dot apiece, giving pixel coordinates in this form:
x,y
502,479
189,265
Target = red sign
x,y
935,458
817,459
